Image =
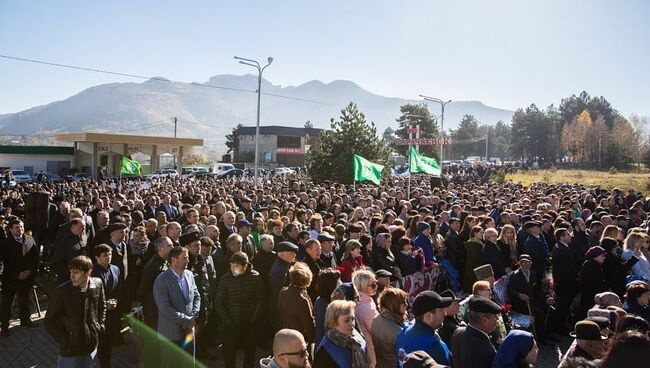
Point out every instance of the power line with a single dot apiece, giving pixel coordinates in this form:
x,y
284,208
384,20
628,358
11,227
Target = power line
x,y
160,79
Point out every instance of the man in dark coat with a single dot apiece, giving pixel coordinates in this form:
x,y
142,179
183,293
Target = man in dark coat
x,y
471,346
21,260
313,249
579,243
524,293
226,226
592,279
120,253
455,248
168,208
69,246
156,265
239,304
565,278
452,321
536,247
76,315
110,276
277,278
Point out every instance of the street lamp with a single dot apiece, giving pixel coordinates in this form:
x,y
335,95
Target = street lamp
x,y
260,70
442,119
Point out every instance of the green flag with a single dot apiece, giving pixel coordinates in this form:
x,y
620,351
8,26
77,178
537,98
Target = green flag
x,y
129,166
423,164
366,170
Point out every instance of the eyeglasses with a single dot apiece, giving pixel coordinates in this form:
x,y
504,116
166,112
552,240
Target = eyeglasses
x,y
302,353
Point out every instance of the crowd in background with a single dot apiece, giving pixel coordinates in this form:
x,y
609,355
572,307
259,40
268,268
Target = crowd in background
x,y
315,272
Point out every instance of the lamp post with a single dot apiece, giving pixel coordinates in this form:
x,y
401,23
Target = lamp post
x,y
260,70
442,118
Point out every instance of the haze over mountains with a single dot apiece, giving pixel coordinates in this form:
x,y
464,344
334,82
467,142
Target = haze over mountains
x,y
211,113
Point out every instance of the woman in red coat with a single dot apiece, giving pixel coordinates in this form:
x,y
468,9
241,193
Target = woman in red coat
x,y
352,260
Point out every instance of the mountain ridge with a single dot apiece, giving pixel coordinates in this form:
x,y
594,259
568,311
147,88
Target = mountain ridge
x,y
212,110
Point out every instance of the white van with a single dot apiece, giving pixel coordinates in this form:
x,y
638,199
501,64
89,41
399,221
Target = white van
x,y
220,168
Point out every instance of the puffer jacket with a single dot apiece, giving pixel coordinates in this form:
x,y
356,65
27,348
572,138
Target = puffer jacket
x,y
75,319
240,299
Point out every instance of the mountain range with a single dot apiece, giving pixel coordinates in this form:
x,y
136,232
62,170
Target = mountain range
x,y
210,111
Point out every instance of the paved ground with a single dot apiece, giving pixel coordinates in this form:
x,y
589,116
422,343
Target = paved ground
x,y
32,347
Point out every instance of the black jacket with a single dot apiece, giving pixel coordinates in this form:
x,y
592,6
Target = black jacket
x,y
14,260
455,251
383,259
151,270
471,348
263,262
408,264
579,246
449,325
565,271
592,282
67,248
519,285
615,271
75,319
492,255
240,299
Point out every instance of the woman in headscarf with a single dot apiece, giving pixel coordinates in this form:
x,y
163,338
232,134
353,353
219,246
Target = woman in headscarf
x,y
342,346
518,350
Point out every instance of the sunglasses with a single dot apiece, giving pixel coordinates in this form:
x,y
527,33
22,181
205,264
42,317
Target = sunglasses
x,y
302,353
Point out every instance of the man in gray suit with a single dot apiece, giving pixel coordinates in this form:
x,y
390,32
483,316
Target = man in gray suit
x,y
177,298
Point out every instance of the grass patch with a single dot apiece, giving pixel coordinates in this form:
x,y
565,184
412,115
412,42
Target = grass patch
x,y
609,180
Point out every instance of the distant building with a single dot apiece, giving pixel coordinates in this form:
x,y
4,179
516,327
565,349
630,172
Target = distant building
x,y
279,145
34,159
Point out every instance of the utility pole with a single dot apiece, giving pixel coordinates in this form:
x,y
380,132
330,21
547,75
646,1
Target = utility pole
x,y
442,118
175,120
487,138
260,70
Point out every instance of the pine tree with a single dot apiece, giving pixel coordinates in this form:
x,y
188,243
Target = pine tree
x,y
350,134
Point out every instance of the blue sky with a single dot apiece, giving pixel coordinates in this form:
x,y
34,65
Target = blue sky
x,y
506,54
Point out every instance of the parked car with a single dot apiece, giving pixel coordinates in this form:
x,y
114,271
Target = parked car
x,y
230,174
54,178
199,174
221,168
21,176
283,171
78,177
164,173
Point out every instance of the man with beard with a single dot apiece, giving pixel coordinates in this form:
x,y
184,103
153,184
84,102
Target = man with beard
x,y
197,266
429,310
289,351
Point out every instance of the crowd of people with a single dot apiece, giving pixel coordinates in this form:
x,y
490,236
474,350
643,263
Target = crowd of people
x,y
315,272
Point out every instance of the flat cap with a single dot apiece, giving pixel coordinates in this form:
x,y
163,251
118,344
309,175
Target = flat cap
x,y
325,237
532,223
383,273
427,301
483,305
420,359
285,246
243,223
448,294
525,257
190,237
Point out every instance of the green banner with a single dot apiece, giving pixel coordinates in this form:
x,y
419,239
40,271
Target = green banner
x,y
366,170
423,164
129,166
